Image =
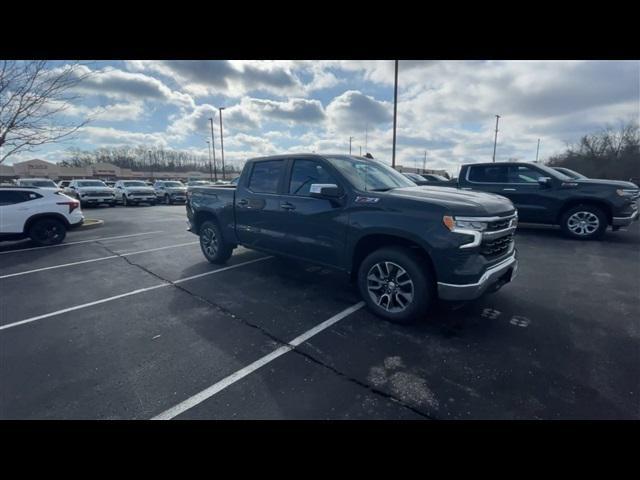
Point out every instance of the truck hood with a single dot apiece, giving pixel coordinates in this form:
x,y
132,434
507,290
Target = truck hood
x,y
611,183
140,189
460,202
176,189
95,189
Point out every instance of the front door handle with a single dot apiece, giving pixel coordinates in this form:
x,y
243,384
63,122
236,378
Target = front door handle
x,y
287,206
508,189
243,202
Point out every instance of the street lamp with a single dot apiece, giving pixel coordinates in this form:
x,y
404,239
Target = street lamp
x,y
495,140
222,140
210,172
213,149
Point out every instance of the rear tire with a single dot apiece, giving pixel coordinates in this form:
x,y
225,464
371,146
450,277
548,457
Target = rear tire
x,y
47,231
167,200
125,203
584,222
214,247
396,285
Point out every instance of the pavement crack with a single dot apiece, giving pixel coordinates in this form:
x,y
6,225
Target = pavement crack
x,y
278,340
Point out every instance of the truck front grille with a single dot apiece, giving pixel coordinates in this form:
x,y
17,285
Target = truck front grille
x,y
497,247
502,223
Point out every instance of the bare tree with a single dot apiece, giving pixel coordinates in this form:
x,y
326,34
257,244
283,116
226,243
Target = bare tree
x,y
32,96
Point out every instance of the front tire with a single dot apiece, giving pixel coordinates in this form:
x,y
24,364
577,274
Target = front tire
x,y
125,203
214,247
395,284
47,231
584,222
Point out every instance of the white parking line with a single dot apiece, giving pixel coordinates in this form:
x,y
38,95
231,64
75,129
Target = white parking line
x,y
243,372
63,265
81,241
116,297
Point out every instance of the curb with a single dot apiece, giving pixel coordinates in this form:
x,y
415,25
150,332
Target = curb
x,y
90,223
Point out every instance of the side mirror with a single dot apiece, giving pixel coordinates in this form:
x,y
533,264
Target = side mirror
x,y
544,182
325,190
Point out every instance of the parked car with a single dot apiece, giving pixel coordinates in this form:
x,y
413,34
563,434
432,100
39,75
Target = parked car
x,y
433,178
134,192
92,192
417,179
42,214
582,207
194,183
404,245
170,192
569,173
63,184
37,182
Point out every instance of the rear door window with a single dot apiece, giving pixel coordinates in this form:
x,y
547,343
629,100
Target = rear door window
x,y
521,174
265,176
488,174
17,196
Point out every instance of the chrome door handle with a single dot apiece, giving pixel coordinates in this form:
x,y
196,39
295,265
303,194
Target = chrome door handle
x,y
508,189
243,203
287,206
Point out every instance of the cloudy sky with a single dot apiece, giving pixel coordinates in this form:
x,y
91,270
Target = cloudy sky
x,y
445,107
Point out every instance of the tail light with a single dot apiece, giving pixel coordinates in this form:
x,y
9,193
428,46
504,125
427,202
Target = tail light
x,y
73,204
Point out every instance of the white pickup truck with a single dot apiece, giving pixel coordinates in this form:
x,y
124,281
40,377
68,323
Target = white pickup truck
x,y
91,192
133,192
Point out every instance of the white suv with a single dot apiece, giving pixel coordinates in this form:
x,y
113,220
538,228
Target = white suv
x,y
132,192
91,192
42,214
37,182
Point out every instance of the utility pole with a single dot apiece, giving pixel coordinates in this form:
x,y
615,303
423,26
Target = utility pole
x,y
210,170
495,140
537,150
424,164
213,149
350,138
395,115
222,141
360,150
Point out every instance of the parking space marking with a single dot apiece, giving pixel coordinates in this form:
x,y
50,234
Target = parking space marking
x,y
95,260
81,241
116,297
243,372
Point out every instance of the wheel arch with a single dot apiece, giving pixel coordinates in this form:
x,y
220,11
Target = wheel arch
x,y
373,241
602,204
39,216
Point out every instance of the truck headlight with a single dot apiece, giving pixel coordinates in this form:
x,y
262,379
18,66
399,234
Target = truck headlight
x,y
626,192
472,228
454,224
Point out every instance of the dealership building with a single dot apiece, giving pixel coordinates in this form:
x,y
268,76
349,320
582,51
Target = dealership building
x,y
103,171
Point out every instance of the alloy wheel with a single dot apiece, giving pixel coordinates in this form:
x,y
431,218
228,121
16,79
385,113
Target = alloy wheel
x,y
390,286
583,223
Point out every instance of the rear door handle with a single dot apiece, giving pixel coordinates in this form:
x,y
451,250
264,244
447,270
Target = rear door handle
x,y
243,202
508,189
287,206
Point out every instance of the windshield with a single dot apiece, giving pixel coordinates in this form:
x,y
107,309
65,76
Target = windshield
x,y
134,184
552,172
173,184
570,173
38,183
369,175
91,183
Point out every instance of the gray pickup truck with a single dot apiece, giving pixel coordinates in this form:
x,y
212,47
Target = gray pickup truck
x,y
404,245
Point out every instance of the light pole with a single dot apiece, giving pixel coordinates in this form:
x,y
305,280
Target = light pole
x,y
150,163
495,140
424,164
395,116
221,141
213,149
537,150
350,138
210,172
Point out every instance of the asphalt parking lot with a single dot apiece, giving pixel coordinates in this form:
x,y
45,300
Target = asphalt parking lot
x,y
129,321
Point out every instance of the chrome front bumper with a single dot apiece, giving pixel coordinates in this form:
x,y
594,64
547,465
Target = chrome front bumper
x,y
494,278
623,221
